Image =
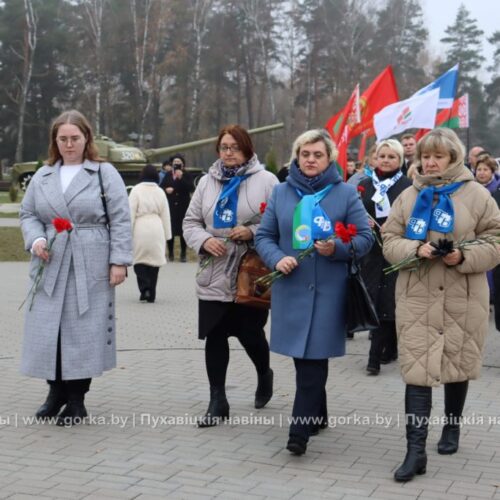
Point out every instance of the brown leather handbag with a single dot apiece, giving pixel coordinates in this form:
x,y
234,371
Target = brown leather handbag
x,y
247,292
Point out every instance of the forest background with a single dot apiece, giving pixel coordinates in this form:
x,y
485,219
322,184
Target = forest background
x,y
162,72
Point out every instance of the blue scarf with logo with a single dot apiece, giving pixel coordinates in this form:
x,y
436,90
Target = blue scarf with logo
x,y
225,213
310,221
425,217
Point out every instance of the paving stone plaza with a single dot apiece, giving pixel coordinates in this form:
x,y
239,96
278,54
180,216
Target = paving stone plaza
x,y
141,440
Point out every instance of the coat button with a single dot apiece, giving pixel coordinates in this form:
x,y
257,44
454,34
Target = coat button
x,y
109,342
311,287
110,316
441,288
440,332
110,304
110,329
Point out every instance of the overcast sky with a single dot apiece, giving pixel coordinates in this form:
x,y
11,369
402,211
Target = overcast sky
x,y
439,14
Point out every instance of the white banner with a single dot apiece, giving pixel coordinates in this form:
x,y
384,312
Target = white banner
x,y
415,112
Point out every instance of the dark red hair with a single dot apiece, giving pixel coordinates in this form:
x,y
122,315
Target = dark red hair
x,y
242,138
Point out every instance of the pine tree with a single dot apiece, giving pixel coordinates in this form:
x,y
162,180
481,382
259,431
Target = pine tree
x,y
464,40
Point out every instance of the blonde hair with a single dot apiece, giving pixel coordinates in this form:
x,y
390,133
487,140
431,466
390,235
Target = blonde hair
x,y
393,144
312,136
441,139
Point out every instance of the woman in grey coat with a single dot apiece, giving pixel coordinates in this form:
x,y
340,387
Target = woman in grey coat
x,y
70,329
220,223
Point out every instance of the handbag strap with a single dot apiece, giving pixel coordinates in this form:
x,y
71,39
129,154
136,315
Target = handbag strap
x,y
354,262
103,196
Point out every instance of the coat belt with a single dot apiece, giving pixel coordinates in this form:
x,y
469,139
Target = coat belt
x,y
52,272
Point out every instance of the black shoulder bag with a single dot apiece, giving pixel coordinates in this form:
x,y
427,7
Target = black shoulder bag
x,y
103,197
361,314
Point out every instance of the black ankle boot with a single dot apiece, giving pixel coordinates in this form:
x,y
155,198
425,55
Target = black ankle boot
x,y
264,390
418,401
218,408
74,412
454,401
296,445
56,399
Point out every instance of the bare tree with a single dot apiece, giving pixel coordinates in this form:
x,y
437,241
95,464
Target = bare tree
x,y
28,56
251,9
146,51
200,12
94,9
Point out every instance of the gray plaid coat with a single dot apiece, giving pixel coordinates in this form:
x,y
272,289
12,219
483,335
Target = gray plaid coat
x,y
74,294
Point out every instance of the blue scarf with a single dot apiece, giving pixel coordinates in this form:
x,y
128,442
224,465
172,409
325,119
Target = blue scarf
x,y
425,217
225,213
313,189
310,221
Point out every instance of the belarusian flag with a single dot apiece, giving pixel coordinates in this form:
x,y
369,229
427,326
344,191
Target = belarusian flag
x,y
455,117
347,116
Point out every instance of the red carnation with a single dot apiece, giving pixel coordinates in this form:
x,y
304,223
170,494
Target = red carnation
x,y
345,233
61,225
361,190
262,207
352,230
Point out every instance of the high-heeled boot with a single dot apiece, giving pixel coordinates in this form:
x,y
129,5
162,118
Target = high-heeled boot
x,y
218,408
454,401
264,390
56,399
418,401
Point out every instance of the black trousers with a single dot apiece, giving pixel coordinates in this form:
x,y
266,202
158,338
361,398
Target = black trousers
x,y
170,245
147,278
71,387
384,340
310,395
221,320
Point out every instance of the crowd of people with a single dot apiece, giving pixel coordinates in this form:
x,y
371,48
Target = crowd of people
x,y
412,206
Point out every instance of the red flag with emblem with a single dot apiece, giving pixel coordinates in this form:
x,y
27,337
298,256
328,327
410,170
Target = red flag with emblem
x,y
381,92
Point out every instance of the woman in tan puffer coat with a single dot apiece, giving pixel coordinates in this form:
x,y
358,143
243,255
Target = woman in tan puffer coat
x,y
442,306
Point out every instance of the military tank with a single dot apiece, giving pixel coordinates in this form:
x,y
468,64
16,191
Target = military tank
x,y
128,160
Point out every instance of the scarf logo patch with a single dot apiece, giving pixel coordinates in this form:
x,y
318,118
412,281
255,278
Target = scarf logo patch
x,y
303,233
417,225
322,223
444,219
227,215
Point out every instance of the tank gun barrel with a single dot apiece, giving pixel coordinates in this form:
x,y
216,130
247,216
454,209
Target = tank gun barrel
x,y
154,153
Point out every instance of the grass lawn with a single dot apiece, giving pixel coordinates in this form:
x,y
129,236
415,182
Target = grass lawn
x,y
11,245
4,197
9,215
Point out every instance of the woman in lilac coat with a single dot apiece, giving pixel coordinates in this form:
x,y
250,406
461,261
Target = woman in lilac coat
x,y
308,304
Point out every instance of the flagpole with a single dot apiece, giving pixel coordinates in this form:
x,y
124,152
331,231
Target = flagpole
x,y
468,140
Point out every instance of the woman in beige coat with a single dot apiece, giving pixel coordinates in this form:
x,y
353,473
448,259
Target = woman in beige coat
x,y
442,306
151,230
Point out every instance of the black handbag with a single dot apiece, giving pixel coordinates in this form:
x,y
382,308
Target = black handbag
x,y
361,314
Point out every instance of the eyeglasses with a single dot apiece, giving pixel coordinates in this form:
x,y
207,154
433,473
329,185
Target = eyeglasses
x,y
233,149
65,140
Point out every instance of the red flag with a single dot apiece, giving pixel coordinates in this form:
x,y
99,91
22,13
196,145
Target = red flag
x,y
362,147
335,124
381,92
351,114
